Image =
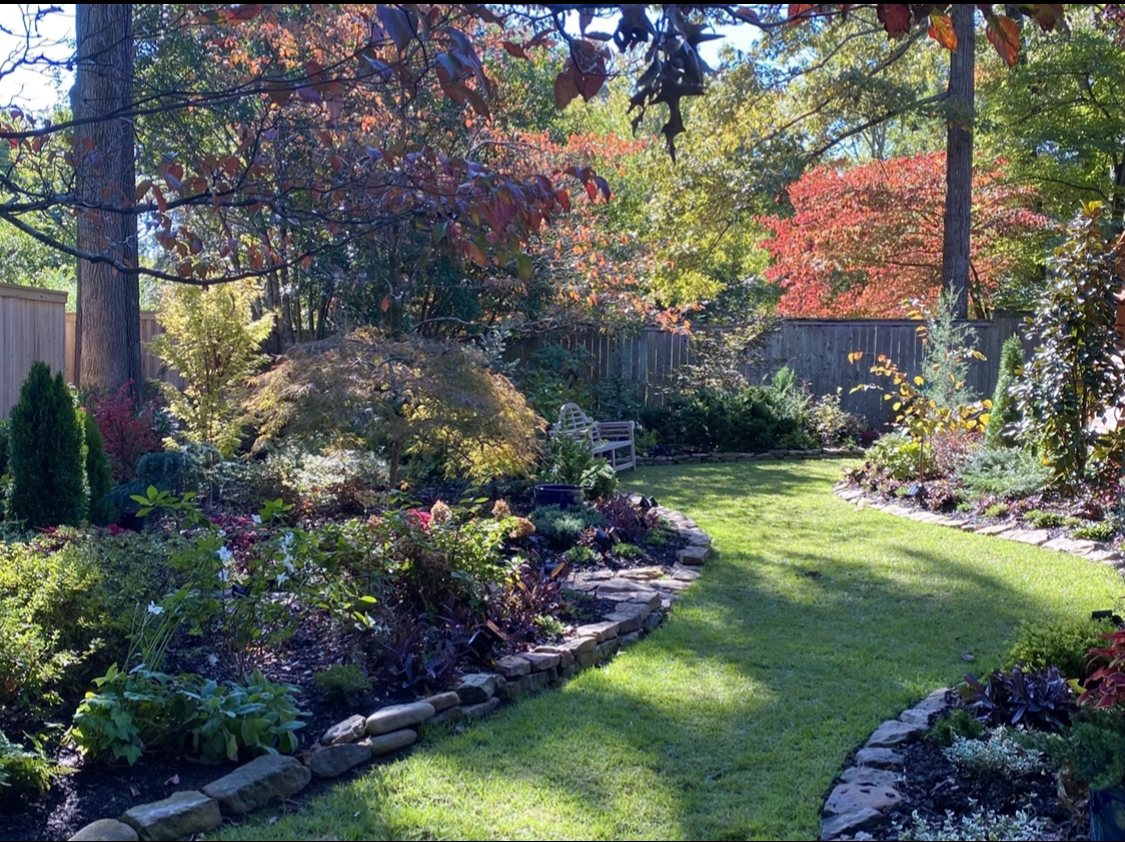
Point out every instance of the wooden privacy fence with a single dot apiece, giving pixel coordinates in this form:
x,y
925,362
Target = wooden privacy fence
x,y
649,359
151,366
816,350
32,327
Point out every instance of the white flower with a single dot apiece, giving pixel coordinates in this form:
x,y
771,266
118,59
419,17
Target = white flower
x,y
222,533
155,609
224,574
256,519
286,543
225,555
282,578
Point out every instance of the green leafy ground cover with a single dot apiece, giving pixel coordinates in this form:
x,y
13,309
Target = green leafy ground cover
x,y
814,623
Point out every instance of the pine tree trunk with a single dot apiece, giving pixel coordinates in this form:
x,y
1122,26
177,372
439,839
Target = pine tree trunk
x,y
959,162
108,330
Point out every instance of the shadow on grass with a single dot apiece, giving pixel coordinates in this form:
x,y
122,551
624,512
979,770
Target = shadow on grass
x,y
814,623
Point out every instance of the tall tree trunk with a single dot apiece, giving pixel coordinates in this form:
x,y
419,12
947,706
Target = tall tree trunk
x,y
959,162
108,329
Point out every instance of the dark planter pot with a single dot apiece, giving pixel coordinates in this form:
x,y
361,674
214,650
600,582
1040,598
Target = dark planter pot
x,y
564,496
1107,814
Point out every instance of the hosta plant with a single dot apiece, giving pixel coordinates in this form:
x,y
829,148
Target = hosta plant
x,y
230,720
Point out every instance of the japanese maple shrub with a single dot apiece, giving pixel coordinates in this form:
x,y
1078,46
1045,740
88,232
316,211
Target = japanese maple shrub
x,y
412,396
127,434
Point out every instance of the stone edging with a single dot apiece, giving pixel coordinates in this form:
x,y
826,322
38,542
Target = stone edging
x,y
866,789
1091,550
642,596
703,458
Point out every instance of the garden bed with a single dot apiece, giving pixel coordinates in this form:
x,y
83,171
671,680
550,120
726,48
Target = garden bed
x,y
1007,528
904,783
90,792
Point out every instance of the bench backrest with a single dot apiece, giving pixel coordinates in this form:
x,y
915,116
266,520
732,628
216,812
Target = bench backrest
x,y
574,422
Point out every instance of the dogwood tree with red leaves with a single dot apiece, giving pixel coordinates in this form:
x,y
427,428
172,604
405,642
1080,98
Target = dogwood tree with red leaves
x,y
866,241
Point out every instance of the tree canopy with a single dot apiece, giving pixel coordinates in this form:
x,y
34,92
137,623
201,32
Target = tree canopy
x,y
1059,117
362,153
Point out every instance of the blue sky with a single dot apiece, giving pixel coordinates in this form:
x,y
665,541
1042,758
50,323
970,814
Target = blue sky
x,y
36,88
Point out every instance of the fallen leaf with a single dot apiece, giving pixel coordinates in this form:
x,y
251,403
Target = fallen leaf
x,y
173,781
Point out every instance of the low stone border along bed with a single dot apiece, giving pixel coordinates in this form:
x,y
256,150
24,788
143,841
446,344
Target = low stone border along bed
x,y
707,458
866,790
1092,550
642,595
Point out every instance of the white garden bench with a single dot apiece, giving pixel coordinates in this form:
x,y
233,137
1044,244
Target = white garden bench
x,y
612,440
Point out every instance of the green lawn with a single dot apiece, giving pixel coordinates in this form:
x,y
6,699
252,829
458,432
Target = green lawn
x,y
814,623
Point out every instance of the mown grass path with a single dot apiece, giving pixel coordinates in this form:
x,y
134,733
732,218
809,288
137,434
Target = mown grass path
x,y
813,624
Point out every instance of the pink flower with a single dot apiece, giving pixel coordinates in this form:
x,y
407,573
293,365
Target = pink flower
x,y
420,517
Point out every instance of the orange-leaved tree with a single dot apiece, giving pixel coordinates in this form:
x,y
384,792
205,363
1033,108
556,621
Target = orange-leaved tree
x,y
866,241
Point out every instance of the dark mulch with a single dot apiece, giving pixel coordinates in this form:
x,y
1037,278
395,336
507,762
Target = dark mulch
x,y
96,792
934,786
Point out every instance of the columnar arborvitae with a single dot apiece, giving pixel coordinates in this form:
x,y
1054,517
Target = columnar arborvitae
x,y
1005,407
98,477
46,461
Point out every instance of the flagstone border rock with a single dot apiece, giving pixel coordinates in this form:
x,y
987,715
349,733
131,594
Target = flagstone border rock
x,y
710,458
1092,550
642,598
866,789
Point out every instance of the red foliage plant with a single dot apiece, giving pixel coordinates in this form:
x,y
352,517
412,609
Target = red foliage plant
x,y
127,435
1105,688
866,241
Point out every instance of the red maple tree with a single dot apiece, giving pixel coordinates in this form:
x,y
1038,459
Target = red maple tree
x,y
866,241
